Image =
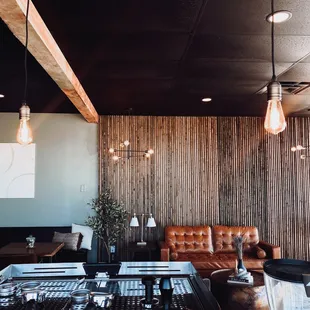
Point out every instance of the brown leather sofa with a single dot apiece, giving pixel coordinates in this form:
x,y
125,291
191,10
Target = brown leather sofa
x,y
212,249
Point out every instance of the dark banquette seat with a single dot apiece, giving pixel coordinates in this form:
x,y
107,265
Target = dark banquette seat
x,y
45,234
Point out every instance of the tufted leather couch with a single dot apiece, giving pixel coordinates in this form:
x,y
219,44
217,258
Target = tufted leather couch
x,y
211,249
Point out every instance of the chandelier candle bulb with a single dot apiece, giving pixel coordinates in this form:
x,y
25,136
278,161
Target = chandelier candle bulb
x,y
299,147
128,152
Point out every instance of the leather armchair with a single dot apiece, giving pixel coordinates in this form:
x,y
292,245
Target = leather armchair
x,y
212,249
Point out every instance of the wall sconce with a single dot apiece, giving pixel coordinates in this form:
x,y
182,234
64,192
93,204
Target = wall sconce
x,y
135,223
128,153
300,148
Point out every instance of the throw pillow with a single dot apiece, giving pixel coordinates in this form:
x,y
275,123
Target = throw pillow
x,y
260,252
87,233
174,255
72,241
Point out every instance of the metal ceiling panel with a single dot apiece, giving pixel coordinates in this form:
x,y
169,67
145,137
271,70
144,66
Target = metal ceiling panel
x,y
249,17
211,86
247,47
127,54
120,16
126,47
233,70
299,73
133,70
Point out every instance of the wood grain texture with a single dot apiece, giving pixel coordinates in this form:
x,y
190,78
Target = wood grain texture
x,y
46,51
208,170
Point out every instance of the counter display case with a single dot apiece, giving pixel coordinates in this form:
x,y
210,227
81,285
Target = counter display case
x,y
143,285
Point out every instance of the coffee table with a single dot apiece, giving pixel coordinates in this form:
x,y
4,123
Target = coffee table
x,y
239,296
41,249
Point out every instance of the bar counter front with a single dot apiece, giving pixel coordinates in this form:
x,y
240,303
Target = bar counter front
x,y
127,285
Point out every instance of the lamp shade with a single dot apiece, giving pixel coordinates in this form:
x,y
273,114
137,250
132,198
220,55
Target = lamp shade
x,y
151,222
134,221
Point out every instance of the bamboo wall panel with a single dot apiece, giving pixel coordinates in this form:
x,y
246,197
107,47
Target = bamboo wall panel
x,y
208,170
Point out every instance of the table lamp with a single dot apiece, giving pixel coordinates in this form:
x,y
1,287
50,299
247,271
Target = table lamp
x,y
135,223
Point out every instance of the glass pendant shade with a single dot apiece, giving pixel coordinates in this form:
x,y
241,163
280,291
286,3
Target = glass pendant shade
x,y
275,120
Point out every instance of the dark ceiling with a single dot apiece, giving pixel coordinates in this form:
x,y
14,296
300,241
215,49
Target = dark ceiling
x,y
160,57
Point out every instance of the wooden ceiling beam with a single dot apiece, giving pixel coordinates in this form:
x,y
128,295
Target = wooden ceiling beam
x,y
46,51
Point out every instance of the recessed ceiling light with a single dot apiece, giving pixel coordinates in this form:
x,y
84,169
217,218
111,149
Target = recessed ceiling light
x,y
279,16
206,99
1,96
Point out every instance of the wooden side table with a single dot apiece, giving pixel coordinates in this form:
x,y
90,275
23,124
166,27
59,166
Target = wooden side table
x,y
41,249
239,296
149,248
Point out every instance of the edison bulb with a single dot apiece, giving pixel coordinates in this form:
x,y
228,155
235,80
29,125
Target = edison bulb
x,y
299,147
24,133
126,142
275,120
147,155
115,158
150,151
293,149
111,150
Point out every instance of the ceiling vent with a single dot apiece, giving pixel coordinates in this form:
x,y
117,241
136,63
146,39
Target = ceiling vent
x,y
289,88
294,88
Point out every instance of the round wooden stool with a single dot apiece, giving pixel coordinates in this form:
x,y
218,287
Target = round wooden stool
x,y
239,296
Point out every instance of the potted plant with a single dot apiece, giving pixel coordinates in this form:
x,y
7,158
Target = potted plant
x,y
109,220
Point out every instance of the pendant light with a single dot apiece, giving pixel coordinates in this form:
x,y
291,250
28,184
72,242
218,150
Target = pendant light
x,y
24,133
275,120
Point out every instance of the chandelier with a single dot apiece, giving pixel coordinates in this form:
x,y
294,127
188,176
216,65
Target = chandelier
x,y
301,148
126,152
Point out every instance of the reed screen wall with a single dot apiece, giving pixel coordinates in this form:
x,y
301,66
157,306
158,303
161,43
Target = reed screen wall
x,y
211,170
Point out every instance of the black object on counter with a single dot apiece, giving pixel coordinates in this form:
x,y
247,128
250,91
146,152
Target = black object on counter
x,y
33,305
149,301
166,287
92,306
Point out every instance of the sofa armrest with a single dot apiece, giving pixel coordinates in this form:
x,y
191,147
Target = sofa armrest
x,y
164,251
273,251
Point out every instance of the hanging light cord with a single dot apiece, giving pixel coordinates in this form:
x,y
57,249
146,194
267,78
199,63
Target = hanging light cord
x,y
26,54
272,41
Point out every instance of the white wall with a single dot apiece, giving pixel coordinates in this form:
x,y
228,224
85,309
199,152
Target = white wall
x,y
66,158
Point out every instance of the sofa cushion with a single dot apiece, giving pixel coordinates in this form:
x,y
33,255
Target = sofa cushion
x,y
189,239
220,261
223,238
72,241
87,234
